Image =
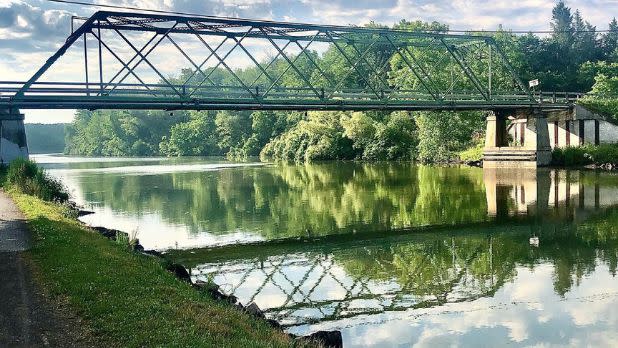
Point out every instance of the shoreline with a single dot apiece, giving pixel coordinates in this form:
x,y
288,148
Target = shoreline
x,y
43,217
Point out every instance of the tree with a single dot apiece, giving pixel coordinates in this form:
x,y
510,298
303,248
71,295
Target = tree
x,y
439,141
562,26
609,41
196,137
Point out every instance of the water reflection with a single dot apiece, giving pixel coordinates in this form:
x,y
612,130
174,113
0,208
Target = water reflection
x,y
196,202
392,254
428,279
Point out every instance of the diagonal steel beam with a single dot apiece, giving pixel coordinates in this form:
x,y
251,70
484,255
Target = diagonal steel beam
x,y
462,63
130,61
123,64
416,73
360,74
59,53
144,59
509,67
269,64
197,68
379,75
222,62
258,65
291,66
205,61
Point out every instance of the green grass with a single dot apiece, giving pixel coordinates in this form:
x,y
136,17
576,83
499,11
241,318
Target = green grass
x,y
585,155
128,299
474,153
25,176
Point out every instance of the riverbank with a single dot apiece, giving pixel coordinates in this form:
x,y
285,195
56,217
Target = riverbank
x,y
128,299
28,318
604,156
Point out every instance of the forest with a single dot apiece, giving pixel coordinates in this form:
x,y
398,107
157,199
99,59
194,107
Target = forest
x,y
573,57
45,138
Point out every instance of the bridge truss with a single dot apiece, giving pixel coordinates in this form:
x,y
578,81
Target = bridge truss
x,y
302,289
148,61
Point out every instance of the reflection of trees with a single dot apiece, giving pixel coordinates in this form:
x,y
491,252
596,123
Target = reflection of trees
x,y
290,201
349,279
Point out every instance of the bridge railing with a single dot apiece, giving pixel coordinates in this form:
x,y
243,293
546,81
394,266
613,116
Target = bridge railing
x,y
76,93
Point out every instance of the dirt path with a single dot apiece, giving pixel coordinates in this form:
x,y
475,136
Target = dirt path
x,y
27,317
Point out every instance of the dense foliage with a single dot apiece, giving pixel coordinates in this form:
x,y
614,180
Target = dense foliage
x,y
603,98
573,58
583,155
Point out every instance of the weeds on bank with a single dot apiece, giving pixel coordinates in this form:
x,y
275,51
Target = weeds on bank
x,y
585,155
471,154
27,177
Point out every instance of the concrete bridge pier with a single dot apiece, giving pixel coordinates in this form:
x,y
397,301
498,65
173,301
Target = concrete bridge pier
x,y
12,136
531,148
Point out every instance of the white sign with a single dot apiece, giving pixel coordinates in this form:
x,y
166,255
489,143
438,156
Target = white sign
x,y
533,83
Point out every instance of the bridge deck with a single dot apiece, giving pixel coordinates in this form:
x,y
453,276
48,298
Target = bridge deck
x,y
62,95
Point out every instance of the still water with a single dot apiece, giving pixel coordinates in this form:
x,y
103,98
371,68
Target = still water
x,y
391,254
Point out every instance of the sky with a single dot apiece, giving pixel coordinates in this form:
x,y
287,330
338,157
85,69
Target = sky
x,y
32,30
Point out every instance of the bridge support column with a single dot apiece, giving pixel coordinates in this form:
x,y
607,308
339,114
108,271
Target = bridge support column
x,y
536,138
12,136
535,150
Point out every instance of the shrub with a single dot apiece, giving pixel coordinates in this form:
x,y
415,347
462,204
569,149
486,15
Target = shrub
x,y
24,175
583,155
2,174
605,153
576,156
472,154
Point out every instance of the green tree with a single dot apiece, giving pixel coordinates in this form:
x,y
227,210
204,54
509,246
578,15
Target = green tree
x,y
194,138
609,41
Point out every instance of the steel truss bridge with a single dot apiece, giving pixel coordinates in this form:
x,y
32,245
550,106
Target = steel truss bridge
x,y
134,61
320,290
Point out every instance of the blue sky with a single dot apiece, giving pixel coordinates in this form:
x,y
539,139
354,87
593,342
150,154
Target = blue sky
x,y
31,30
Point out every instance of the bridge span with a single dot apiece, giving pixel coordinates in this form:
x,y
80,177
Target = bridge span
x,y
121,60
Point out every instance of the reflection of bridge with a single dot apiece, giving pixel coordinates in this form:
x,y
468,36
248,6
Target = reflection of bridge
x,y
305,288
338,277
529,191
127,58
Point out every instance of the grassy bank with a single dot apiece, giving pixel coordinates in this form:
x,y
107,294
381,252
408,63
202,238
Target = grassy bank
x,y
585,155
128,299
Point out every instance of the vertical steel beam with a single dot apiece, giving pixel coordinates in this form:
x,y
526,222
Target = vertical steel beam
x,y
59,53
86,65
490,73
100,59
125,65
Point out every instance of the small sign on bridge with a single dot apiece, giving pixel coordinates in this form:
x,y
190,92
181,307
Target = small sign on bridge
x,y
533,83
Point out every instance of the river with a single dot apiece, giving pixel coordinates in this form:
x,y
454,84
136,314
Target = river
x,y
391,254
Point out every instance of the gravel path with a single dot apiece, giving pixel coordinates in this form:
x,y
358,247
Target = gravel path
x,y
27,317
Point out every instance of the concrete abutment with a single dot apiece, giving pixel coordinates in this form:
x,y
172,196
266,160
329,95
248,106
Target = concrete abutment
x,y
531,146
13,142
